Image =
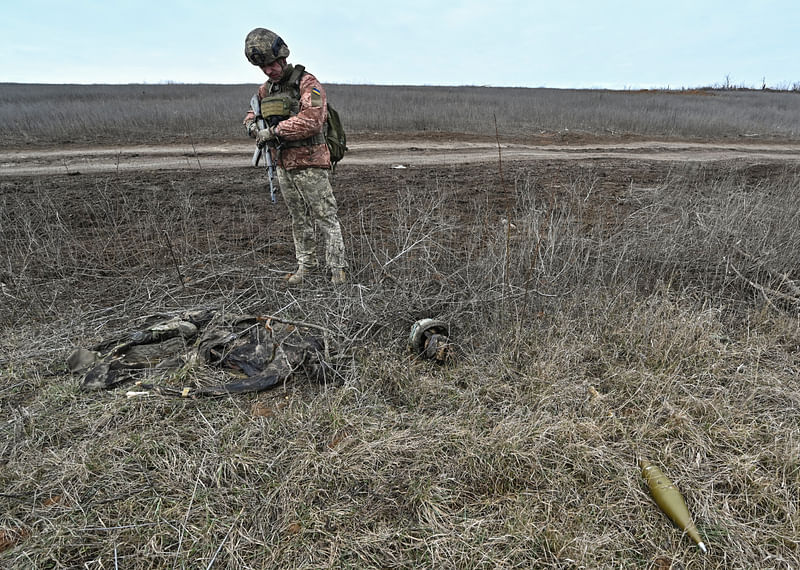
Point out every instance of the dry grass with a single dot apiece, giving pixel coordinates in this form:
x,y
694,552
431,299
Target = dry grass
x,y
579,350
148,114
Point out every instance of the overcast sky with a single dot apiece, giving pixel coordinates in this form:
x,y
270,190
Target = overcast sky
x,y
615,44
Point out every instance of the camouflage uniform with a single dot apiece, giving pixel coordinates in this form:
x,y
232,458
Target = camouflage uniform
x,y
303,163
196,342
308,195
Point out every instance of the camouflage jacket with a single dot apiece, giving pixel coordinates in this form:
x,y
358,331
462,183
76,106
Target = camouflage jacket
x,y
309,121
257,352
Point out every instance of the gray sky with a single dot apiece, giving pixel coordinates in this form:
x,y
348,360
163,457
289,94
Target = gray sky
x,y
611,44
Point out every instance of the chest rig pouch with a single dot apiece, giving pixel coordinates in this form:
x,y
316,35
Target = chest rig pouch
x,y
276,108
283,102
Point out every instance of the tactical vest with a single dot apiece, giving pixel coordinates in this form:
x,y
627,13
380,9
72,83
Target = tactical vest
x,y
283,101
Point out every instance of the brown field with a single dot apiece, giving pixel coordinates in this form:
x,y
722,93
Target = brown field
x,y
643,302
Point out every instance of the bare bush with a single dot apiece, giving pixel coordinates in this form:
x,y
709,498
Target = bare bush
x,y
669,333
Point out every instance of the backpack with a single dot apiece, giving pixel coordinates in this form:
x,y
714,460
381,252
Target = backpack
x,y
335,136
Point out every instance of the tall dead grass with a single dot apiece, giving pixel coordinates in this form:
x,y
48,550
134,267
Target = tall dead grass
x,y
145,114
579,350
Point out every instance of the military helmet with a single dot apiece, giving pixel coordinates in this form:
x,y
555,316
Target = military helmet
x,y
263,46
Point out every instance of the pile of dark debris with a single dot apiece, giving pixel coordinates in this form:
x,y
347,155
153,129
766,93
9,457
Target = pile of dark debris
x,y
255,353
252,353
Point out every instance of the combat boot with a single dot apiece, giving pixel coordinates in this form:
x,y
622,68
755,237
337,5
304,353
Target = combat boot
x,y
297,277
338,277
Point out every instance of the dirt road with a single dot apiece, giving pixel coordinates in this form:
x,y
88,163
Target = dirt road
x,y
397,153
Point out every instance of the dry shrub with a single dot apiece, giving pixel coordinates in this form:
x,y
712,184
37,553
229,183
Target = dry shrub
x,y
578,351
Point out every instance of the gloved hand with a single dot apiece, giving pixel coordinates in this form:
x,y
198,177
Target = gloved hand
x,y
251,128
266,135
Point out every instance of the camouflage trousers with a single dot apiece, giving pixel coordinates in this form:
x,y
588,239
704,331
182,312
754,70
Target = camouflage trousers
x,y
309,197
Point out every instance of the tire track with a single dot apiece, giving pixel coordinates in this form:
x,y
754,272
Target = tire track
x,y
407,153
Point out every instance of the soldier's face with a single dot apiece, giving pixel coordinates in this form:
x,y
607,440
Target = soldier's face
x,y
274,70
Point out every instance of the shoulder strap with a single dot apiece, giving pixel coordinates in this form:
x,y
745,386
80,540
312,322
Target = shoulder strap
x,y
294,81
297,75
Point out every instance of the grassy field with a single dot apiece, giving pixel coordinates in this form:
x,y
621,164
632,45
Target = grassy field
x,y
144,114
658,322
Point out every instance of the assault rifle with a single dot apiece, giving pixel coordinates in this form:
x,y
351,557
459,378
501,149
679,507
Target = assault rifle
x,y
255,104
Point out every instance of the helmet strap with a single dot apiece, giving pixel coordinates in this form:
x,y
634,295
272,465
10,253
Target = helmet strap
x,y
287,69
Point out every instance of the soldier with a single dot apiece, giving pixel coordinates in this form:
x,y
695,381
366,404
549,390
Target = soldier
x,y
294,104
